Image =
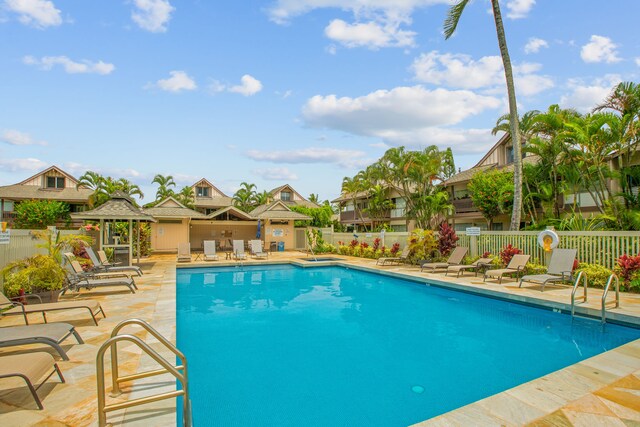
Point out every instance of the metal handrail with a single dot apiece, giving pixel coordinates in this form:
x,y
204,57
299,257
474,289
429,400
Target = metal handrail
x,y
167,367
604,296
575,288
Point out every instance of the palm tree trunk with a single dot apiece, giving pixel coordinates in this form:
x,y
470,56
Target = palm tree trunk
x,y
513,118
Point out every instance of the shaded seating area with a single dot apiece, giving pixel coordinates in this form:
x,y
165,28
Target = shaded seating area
x,y
455,258
515,266
403,258
210,250
559,270
31,367
8,308
474,266
51,334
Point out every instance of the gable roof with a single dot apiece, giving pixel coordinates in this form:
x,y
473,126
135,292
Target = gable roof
x,y
302,202
171,208
118,207
49,169
503,140
231,209
277,210
208,184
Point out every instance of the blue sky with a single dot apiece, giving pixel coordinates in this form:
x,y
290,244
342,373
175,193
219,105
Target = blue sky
x,y
303,92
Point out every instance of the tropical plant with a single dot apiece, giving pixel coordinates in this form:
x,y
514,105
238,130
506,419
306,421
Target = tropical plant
x,y
165,182
628,268
450,24
244,198
55,243
508,252
447,239
36,274
320,217
422,245
39,214
492,193
597,274
187,197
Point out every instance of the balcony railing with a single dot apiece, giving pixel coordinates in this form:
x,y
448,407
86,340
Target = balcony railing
x,y
357,217
464,205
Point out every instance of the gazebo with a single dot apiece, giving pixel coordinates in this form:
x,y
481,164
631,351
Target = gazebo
x,y
119,208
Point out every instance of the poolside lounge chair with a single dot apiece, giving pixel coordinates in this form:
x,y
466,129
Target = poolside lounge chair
x,y
104,259
74,267
79,279
403,258
16,308
454,259
100,266
516,265
559,270
49,334
256,249
461,268
238,249
184,252
210,250
31,368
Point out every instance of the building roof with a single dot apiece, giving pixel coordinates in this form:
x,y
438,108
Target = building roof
x,y
49,169
207,184
233,210
171,208
28,192
277,210
466,175
213,202
119,207
302,200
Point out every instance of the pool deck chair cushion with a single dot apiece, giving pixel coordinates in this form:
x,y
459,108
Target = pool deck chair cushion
x,y
89,281
184,252
100,266
31,367
559,270
454,259
238,249
460,269
516,266
49,334
404,256
15,308
256,249
210,250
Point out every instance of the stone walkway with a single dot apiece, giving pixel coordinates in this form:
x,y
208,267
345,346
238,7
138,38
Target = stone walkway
x,y
602,390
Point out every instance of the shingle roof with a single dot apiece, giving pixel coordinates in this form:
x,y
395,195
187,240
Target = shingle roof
x,y
118,208
173,212
277,210
213,202
237,212
466,175
28,192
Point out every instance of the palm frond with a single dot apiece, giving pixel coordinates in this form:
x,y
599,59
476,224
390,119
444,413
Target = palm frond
x,y
453,17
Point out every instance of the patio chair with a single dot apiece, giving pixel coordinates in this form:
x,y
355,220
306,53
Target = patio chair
x,y
184,252
104,259
461,268
256,249
238,250
210,250
49,334
403,258
74,267
454,259
100,266
31,368
516,265
79,279
559,270
16,308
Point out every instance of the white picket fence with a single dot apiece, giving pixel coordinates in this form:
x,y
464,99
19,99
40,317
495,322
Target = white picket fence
x,y
594,247
23,244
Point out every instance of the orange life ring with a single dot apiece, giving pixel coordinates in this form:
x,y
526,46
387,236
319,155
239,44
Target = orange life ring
x,y
548,240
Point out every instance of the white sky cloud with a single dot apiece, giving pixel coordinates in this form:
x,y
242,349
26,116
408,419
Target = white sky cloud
x,y
152,15
36,13
70,66
345,158
23,165
276,174
638,61
462,71
178,82
600,49
534,45
586,95
461,141
248,86
517,9
372,35
14,137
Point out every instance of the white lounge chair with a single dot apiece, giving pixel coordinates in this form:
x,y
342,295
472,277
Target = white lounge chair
x,y
454,259
210,250
559,270
516,265
238,249
184,252
256,249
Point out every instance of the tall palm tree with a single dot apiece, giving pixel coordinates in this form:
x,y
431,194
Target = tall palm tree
x,y
450,25
244,198
164,182
313,197
262,198
92,181
130,188
187,197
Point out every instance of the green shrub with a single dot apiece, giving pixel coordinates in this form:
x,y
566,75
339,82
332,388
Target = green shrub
x,y
597,275
36,274
532,268
422,244
38,214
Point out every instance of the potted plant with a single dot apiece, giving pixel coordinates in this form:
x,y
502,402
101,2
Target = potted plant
x,y
39,275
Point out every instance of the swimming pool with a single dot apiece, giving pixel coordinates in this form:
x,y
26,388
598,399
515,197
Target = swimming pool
x,y
328,346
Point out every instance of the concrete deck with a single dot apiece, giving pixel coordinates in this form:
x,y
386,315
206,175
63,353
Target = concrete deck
x,y
602,390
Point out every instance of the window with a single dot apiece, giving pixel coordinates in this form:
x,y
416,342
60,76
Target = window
x,y
509,155
8,205
55,182
202,191
285,196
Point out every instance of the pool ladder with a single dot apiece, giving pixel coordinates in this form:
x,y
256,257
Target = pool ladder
x,y
603,308
179,372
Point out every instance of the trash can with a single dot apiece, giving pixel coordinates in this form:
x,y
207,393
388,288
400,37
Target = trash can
x,y
273,246
280,246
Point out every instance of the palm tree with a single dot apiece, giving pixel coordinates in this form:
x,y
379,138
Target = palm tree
x,y
379,203
92,181
130,188
164,182
263,198
187,197
450,24
244,198
313,197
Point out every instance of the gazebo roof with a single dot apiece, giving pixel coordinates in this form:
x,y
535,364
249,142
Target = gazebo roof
x,y
120,207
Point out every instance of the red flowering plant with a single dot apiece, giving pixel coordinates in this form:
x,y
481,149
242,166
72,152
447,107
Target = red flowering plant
x,y
508,252
376,244
364,245
353,243
395,248
486,254
447,239
628,268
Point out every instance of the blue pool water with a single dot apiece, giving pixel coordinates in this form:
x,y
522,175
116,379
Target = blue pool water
x,y
330,346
